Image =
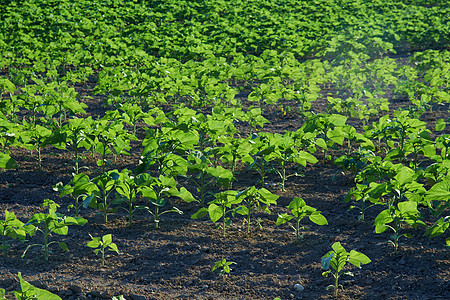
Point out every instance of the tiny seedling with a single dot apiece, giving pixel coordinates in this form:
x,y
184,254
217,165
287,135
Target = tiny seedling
x,y
224,267
299,210
101,245
337,259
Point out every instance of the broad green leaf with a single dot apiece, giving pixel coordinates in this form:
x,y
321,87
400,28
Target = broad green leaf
x,y
356,258
6,162
200,213
283,218
36,292
215,212
107,239
407,207
318,219
440,125
338,248
326,260
383,217
304,157
185,195
440,191
63,246
94,243
406,175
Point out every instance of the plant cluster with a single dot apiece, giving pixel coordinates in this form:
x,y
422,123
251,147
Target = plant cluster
x,y
173,77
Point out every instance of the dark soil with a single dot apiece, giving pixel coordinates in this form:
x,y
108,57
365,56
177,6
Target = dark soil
x,y
175,261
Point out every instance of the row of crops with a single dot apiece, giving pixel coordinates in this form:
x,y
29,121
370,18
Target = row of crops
x,y
192,83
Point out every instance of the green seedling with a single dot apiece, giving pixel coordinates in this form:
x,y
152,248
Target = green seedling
x,y
76,137
253,200
224,267
299,210
106,184
393,218
109,137
13,228
367,195
203,175
82,190
102,245
219,208
28,292
132,114
127,189
285,151
51,222
438,201
162,149
234,150
157,190
337,259
260,149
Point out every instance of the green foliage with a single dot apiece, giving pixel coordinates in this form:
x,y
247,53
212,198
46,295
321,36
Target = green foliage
x,y
81,188
102,187
299,210
127,189
334,262
223,205
224,267
13,228
76,137
156,191
51,223
254,199
28,291
393,218
102,245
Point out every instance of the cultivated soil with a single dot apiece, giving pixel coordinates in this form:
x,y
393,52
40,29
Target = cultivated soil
x,y
175,261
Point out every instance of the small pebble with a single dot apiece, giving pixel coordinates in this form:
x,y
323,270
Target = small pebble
x,y
299,287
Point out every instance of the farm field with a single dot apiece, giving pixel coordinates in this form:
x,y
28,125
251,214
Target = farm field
x,y
225,149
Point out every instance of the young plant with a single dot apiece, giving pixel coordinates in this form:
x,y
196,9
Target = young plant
x,y
224,267
51,222
28,291
36,137
157,190
106,184
203,175
368,195
438,201
337,259
285,151
219,208
76,133
109,137
82,190
299,210
260,149
127,188
102,245
254,199
393,218
13,228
